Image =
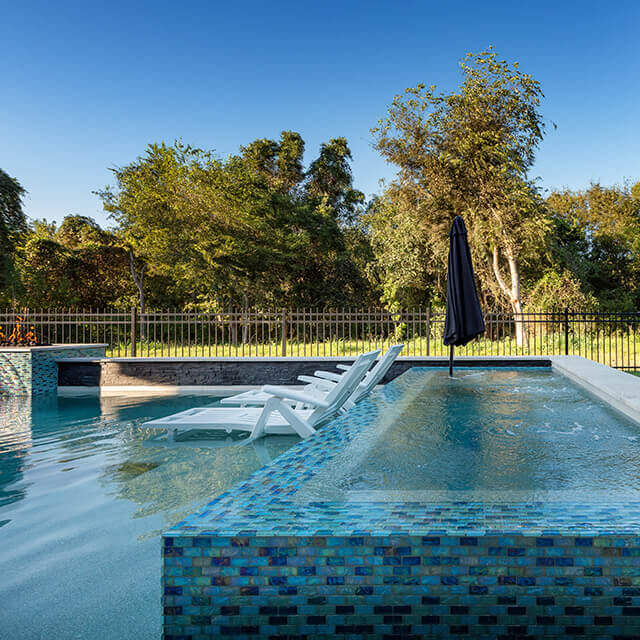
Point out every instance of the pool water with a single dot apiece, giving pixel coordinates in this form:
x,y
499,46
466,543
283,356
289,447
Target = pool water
x,y
84,495
493,435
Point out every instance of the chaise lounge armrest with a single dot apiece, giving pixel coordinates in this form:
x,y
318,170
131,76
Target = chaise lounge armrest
x,y
298,396
328,375
344,367
317,382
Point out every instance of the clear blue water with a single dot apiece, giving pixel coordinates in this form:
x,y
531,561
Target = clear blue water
x,y
84,496
495,435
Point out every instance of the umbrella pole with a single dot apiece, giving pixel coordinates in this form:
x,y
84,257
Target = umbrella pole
x,y
451,361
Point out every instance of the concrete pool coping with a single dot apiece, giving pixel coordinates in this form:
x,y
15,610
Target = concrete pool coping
x,y
611,385
619,389
221,391
442,360
54,347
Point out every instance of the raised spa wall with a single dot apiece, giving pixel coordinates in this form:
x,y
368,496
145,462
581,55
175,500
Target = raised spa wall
x,y
212,372
359,586
34,370
259,562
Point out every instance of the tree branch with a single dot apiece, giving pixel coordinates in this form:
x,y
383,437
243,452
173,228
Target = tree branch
x,y
136,278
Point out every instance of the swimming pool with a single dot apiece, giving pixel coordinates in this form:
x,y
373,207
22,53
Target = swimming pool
x,y
499,435
435,508
84,496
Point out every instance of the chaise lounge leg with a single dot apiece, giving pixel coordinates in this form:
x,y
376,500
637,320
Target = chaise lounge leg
x,y
300,426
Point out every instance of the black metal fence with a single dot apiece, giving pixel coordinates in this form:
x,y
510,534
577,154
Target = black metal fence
x,y
610,338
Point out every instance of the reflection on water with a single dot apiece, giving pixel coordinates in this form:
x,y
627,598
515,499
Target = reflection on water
x,y
84,492
492,435
15,442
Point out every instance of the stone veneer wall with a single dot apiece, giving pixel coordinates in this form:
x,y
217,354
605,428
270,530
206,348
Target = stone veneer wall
x,y
401,586
35,371
235,371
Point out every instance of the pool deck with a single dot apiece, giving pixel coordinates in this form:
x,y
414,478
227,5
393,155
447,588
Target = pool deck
x,y
258,562
619,389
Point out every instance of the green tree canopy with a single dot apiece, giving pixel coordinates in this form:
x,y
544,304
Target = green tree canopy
x,y
13,223
596,239
77,264
252,229
330,182
468,152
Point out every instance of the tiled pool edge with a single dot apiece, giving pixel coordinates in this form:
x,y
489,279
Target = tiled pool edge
x,y
34,370
401,586
254,563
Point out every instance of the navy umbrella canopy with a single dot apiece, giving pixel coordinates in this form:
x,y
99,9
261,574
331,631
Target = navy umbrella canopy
x,y
464,319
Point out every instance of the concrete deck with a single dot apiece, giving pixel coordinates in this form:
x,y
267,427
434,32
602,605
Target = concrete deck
x,y
621,390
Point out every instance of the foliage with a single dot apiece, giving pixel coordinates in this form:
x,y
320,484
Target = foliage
x,y
12,225
260,228
597,239
410,247
467,153
555,290
53,261
330,182
252,229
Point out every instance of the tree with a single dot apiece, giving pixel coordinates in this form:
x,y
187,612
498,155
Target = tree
x,y
330,181
254,228
153,206
410,246
468,153
78,231
13,223
75,265
597,240
281,163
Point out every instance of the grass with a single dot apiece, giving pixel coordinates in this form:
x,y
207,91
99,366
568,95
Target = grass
x,y
617,350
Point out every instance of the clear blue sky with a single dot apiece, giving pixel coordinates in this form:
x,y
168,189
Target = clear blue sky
x,y
86,86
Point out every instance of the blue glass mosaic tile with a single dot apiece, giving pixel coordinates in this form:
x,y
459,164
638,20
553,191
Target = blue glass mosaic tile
x,y
35,371
397,570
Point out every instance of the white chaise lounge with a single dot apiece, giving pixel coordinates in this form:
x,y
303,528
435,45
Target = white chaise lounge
x,y
276,417
323,382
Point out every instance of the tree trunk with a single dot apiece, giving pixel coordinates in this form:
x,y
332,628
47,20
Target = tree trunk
x,y
516,303
138,279
245,319
521,334
512,292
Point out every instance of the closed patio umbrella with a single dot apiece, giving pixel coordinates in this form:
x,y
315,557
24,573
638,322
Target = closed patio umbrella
x,y
464,319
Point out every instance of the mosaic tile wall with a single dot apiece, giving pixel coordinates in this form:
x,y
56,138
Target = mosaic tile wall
x,y
35,371
402,586
259,561
15,373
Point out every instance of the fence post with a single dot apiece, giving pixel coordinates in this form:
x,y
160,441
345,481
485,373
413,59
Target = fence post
x,y
566,331
284,332
134,339
428,328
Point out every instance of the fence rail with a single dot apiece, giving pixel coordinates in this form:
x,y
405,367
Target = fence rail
x,y
609,338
